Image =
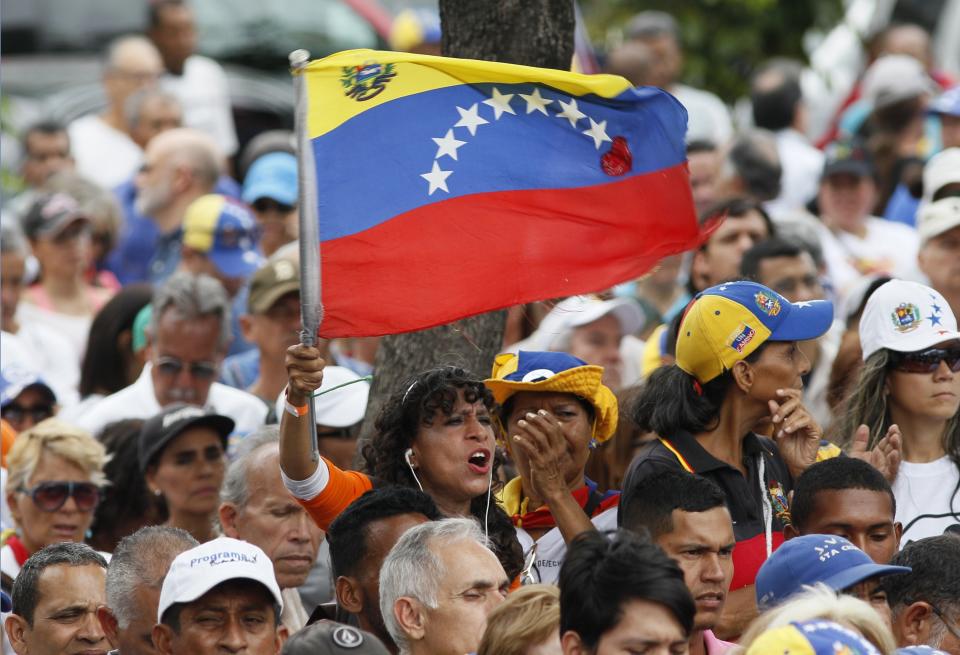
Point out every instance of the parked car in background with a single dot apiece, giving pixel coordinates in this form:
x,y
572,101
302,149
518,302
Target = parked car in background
x,y
52,53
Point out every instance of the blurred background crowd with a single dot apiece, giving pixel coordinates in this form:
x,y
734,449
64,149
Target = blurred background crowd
x,y
149,237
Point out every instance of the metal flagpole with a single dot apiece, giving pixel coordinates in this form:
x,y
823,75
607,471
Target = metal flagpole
x,y
311,307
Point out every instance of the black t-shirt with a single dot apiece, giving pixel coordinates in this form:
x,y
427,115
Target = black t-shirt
x,y
681,451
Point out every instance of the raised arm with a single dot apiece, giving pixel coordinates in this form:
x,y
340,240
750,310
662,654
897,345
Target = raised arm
x,y
304,376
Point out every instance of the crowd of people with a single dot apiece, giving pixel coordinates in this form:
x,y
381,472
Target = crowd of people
x,y
753,449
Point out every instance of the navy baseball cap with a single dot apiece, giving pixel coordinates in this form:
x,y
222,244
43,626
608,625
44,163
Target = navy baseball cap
x,y
805,561
727,322
849,156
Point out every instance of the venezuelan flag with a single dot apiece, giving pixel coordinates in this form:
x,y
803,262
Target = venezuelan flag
x,y
450,187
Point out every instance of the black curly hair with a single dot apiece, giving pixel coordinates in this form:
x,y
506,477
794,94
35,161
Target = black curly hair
x,y
420,399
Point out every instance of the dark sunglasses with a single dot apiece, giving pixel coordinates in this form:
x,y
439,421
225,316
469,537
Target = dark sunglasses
x,y
17,413
267,204
171,366
927,361
51,496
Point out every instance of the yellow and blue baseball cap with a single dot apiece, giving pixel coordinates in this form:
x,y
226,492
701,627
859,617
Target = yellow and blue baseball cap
x,y
815,558
814,637
726,323
556,372
226,231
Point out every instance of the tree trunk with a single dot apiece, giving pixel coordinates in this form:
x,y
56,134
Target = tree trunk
x,y
530,32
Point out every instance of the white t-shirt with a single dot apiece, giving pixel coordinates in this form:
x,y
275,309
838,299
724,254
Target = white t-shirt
x,y
886,247
139,401
551,548
104,154
925,489
707,117
802,166
202,90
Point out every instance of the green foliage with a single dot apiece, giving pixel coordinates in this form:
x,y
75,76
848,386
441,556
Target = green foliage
x,y
723,40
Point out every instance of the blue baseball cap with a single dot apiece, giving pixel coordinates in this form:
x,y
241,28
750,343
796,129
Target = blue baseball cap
x,y
727,322
14,380
273,176
225,231
807,560
814,637
947,103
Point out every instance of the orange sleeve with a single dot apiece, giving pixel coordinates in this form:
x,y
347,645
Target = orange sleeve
x,y
8,435
342,488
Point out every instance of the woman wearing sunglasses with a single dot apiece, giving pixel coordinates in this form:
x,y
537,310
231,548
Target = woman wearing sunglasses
x,y
55,476
911,378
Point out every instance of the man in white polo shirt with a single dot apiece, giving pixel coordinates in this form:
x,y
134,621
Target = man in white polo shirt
x,y
187,340
218,597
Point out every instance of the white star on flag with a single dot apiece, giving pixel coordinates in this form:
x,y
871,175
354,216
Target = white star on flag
x,y
437,178
571,112
536,102
447,145
802,303
470,119
598,132
500,103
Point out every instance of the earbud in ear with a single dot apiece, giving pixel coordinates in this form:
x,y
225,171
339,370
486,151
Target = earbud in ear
x,y
408,456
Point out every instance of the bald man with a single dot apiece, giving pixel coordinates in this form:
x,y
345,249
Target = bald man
x,y
179,166
101,143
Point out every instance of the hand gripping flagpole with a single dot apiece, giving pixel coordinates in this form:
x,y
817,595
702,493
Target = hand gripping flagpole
x,y
311,308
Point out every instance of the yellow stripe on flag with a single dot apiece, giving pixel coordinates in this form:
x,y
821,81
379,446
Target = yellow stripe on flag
x,y
330,105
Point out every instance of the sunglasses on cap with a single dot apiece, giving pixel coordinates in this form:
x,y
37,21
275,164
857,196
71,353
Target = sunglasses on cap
x,y
51,496
16,413
171,366
927,361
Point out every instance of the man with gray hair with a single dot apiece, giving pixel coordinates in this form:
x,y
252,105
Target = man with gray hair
x,y
925,603
134,577
437,587
101,143
151,111
187,339
751,167
255,507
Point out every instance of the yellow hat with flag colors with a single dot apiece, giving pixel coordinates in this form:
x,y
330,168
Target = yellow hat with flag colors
x,y
556,372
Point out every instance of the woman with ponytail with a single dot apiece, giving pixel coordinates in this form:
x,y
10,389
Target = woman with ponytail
x,y
738,372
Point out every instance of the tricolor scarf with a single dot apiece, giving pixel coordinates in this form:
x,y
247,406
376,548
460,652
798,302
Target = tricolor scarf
x,y
515,504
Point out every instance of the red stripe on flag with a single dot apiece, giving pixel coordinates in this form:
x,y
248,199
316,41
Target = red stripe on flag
x,y
449,260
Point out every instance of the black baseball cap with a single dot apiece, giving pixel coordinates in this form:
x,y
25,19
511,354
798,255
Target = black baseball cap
x,y
50,214
164,427
847,157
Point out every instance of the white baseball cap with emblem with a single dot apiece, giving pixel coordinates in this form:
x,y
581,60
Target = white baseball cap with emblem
x,y
198,570
905,317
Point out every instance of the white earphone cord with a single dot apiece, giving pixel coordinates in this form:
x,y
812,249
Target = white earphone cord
x,y
486,513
